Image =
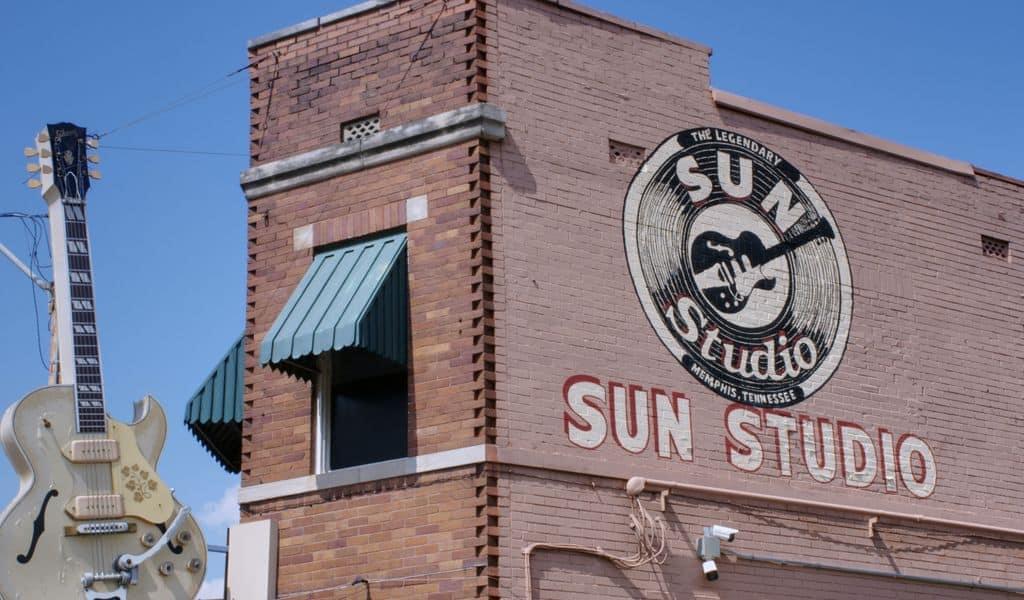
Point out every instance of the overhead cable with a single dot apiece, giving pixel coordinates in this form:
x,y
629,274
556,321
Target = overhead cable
x,y
207,90
175,151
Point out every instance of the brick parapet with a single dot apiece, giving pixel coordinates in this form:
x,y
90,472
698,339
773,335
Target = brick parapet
x,y
406,60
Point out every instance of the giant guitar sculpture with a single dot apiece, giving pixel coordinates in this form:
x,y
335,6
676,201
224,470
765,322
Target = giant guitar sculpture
x,y
91,520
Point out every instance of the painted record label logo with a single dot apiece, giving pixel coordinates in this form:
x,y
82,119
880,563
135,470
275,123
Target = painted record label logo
x,y
739,267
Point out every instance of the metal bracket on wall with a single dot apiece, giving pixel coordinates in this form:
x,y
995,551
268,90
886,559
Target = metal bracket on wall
x,y
871,526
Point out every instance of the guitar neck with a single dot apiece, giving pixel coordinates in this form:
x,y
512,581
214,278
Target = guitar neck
x,y
84,361
64,182
821,229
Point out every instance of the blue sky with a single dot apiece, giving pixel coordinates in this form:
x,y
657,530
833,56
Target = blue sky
x,y
168,230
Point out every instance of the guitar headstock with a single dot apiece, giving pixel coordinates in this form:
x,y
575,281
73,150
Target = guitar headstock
x,y
63,162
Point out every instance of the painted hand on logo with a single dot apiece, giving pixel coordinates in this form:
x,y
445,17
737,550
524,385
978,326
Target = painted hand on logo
x,y
728,270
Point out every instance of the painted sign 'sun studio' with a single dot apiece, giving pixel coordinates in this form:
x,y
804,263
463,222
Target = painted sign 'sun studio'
x,y
739,267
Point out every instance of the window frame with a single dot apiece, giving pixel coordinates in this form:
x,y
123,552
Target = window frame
x,y
322,443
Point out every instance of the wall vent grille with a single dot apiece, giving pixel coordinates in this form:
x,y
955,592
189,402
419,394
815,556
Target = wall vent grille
x,y
995,247
360,128
622,153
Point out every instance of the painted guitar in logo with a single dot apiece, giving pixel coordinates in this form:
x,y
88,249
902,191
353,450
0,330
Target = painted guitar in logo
x,y
92,519
728,270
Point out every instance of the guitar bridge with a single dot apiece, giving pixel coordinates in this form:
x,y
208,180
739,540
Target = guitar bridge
x,y
106,506
92,451
100,528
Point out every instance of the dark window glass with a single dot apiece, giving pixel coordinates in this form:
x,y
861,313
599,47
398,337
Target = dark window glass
x,y
369,420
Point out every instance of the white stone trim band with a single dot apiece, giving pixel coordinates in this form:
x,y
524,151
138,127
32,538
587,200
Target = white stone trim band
x,y
772,113
400,467
475,121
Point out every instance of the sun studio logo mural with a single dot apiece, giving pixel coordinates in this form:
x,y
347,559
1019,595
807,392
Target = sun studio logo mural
x,y
739,267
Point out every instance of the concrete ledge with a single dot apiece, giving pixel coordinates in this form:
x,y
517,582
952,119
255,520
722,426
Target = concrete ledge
x,y
627,24
316,22
476,121
776,490
779,115
362,7
413,465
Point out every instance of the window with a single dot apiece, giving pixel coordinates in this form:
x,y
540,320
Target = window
x,y
345,329
363,406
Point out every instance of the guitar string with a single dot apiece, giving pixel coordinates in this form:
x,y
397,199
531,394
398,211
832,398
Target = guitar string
x,y
97,541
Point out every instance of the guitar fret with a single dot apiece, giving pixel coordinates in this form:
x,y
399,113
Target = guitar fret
x,y
81,292
91,414
79,345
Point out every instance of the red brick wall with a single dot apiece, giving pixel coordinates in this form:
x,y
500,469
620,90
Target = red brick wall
x,y
933,348
569,509
445,405
407,61
412,537
519,281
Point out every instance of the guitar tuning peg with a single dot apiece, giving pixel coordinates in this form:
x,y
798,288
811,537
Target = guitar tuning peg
x,y
44,153
32,168
34,184
29,152
95,175
92,142
43,137
94,159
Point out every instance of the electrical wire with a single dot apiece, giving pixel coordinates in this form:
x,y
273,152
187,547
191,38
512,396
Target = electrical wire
x,y
407,580
650,540
174,151
415,55
202,92
36,231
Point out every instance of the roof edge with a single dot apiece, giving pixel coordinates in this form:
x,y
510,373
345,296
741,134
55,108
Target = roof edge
x,y
316,22
569,5
996,175
756,108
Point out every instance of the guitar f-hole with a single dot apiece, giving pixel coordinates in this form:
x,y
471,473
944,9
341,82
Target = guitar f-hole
x,y
38,526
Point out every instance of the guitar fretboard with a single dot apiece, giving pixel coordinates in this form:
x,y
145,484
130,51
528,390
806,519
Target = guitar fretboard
x,y
89,405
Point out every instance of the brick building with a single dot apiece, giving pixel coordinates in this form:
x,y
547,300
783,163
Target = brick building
x,y
507,255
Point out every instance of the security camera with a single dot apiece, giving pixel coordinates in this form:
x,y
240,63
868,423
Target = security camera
x,y
710,569
724,533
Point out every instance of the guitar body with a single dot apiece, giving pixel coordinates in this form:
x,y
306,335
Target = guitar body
x,y
40,559
725,269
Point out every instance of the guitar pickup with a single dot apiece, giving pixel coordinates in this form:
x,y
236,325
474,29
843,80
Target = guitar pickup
x,y
92,451
100,528
105,506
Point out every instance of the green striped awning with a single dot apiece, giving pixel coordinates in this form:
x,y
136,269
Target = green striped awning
x,y
355,296
214,414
